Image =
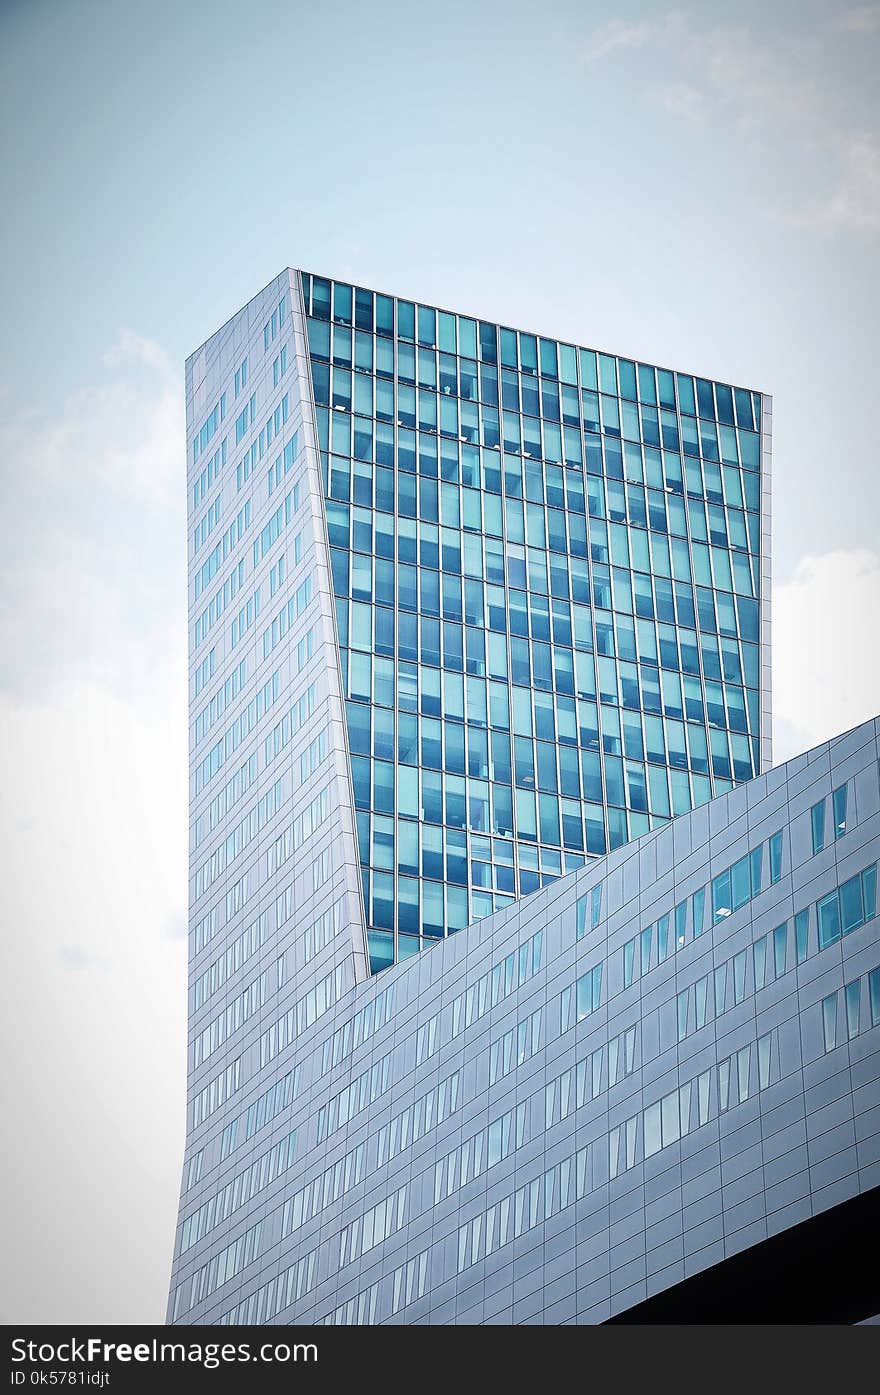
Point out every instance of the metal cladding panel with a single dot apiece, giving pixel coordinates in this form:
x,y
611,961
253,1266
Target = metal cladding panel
x,y
615,1083
276,916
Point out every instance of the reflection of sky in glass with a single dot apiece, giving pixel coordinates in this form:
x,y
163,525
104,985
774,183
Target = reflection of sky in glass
x,y
546,563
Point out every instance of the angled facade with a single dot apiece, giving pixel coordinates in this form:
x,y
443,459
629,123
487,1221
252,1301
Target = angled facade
x,y
602,1098
479,633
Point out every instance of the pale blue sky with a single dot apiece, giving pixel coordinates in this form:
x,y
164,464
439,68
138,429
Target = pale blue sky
x,y
695,186
661,186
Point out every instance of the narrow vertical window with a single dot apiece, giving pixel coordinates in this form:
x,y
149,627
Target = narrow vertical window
x,y
721,897
851,998
703,1084
817,825
801,930
629,1050
595,905
701,995
670,1120
652,1129
682,1011
629,954
597,986
739,976
584,996
838,800
723,1084
775,857
645,950
698,907
743,1059
780,936
662,938
829,1021
631,1128
759,951
764,1045
581,912
613,1053
684,1107
720,989
874,995
828,917
596,1061
565,1010
756,862
869,891
613,1151
680,920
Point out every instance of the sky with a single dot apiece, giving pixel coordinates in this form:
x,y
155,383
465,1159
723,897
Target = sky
x,y
698,187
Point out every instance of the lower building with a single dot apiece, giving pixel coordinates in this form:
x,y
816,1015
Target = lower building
x,y
648,1092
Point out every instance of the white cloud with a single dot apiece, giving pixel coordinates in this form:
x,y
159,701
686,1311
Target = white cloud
x,y
75,957
785,87
615,34
724,67
826,666
681,100
856,201
863,19
123,434
93,819
93,566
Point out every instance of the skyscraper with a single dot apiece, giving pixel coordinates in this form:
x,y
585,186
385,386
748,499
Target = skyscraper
x,y
547,570
470,610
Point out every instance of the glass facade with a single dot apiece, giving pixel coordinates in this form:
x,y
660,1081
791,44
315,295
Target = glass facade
x,y
546,564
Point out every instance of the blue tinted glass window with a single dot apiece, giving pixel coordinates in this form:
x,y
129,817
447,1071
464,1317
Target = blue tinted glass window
x,y
839,811
852,908
342,303
686,399
780,944
801,930
568,365
869,891
363,309
775,858
406,320
699,899
321,298
663,614
705,400
744,415
851,997
547,358
488,343
828,915
829,1021
384,315
722,904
